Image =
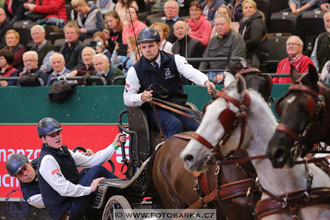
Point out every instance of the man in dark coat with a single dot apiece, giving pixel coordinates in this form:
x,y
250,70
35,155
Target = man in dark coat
x,y
186,46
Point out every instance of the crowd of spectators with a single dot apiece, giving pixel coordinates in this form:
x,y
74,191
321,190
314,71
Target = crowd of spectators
x,y
105,32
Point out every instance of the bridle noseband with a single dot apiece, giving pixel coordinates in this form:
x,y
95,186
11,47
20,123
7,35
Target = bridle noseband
x,y
315,106
229,120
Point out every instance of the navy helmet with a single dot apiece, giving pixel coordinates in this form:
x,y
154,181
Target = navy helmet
x,y
47,126
14,163
148,34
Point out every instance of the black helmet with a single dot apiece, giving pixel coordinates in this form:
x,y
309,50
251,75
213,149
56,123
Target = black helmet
x,y
14,163
148,34
48,126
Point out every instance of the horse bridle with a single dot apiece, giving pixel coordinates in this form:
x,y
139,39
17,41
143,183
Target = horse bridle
x,y
229,120
315,106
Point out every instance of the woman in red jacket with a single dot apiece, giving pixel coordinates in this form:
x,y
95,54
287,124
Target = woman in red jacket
x,y
54,11
199,27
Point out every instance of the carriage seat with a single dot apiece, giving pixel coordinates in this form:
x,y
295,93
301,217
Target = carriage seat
x,y
135,186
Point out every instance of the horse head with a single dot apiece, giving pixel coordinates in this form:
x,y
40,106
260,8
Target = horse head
x,y
222,124
253,77
301,120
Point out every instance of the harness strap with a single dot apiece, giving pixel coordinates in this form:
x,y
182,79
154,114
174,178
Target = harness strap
x,y
282,127
163,138
202,140
226,191
176,110
242,160
298,199
178,106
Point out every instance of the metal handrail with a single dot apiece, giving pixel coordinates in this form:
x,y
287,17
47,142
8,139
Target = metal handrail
x,y
93,78
16,78
214,59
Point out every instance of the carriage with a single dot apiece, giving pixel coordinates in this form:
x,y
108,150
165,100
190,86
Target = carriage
x,y
132,191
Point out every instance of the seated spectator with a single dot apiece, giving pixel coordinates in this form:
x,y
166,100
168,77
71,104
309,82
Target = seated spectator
x,y
321,52
88,68
54,11
89,18
113,30
124,62
105,6
121,8
129,30
163,31
100,44
30,60
171,10
325,74
156,9
235,7
12,44
71,50
4,27
104,68
294,47
252,27
210,7
14,10
199,27
227,44
222,10
301,6
325,5
6,68
43,47
186,46
57,63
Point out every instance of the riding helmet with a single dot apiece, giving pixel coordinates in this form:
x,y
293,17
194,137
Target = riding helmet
x,y
148,34
15,163
47,126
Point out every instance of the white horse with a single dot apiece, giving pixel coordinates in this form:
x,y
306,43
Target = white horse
x,y
260,127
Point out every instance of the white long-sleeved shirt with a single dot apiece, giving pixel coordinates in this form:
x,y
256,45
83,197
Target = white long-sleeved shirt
x,y
50,170
36,201
133,98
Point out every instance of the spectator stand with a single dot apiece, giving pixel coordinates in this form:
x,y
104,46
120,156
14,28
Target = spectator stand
x,y
309,27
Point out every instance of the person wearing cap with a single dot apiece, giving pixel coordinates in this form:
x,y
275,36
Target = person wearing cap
x,y
17,165
64,191
156,68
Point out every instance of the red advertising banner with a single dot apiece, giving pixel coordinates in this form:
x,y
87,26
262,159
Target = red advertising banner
x,y
23,139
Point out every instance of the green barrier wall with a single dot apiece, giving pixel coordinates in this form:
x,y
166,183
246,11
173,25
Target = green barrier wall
x,y
91,104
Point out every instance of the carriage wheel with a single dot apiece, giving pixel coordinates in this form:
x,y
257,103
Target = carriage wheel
x,y
117,203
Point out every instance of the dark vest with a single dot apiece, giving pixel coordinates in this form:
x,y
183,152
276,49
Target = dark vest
x,y
32,188
323,49
168,76
56,204
43,52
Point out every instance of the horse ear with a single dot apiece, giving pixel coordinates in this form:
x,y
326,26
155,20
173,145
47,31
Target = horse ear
x,y
312,77
240,86
294,74
229,78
